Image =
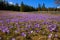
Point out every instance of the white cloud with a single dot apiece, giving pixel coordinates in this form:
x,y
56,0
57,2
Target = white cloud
x,y
58,7
11,3
19,5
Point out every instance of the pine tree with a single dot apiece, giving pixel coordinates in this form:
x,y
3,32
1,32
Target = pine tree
x,y
22,7
39,7
43,7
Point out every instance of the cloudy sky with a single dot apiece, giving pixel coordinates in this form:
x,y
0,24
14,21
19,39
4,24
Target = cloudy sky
x,y
34,3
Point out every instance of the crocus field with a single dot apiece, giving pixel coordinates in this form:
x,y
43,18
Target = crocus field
x,y
29,26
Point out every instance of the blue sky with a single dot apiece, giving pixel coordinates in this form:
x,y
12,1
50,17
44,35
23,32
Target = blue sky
x,y
34,3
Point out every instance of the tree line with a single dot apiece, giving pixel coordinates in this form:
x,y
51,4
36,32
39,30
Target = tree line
x,y
24,8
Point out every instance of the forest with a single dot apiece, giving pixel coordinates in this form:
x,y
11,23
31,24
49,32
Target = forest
x,y
24,8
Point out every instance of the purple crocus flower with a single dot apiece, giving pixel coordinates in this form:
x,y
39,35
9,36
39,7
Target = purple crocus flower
x,y
28,25
56,35
52,27
10,26
23,34
50,35
31,31
8,20
0,38
16,31
37,31
1,21
13,39
37,25
7,31
3,31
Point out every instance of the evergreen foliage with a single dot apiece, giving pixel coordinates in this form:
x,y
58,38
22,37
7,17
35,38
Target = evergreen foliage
x,y
24,8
